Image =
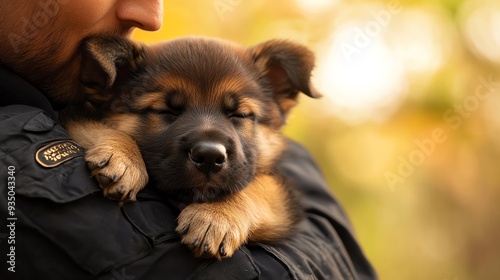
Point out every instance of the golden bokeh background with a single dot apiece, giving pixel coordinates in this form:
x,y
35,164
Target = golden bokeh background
x,y
407,132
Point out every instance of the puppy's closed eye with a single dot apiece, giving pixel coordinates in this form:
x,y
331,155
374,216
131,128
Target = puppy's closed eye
x,y
242,115
176,100
206,116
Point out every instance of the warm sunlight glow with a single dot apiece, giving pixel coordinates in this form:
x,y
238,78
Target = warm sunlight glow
x,y
365,85
482,29
315,5
417,38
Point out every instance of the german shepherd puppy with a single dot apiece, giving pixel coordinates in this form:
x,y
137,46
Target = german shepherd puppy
x,y
202,117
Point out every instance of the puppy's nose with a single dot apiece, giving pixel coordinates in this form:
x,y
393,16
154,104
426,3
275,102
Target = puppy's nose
x,y
208,157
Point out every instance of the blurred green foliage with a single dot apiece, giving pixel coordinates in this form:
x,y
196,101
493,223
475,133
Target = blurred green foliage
x,y
416,70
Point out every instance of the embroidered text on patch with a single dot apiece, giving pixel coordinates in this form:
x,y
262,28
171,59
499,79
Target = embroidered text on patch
x,y
55,153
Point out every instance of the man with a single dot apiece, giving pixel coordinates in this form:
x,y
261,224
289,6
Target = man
x,y
57,224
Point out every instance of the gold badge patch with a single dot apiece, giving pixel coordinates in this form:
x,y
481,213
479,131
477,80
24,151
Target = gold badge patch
x,y
55,153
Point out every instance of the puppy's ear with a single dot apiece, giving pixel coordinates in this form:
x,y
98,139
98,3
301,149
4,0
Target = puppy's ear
x,y
105,62
287,66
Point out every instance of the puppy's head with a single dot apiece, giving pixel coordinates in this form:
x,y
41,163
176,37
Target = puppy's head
x,y
205,113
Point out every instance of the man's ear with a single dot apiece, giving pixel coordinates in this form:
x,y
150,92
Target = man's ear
x,y
287,66
105,62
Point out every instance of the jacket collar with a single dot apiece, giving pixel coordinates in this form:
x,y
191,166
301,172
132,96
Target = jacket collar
x,y
15,90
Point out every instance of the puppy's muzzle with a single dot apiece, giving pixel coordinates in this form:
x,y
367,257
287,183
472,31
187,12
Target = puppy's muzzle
x,y
208,157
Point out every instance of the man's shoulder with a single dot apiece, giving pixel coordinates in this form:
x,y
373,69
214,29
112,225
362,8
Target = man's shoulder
x,y
10,111
48,162
16,119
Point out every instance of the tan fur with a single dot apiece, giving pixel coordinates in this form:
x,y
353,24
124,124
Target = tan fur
x,y
248,105
260,211
257,213
113,154
124,122
171,82
271,145
152,100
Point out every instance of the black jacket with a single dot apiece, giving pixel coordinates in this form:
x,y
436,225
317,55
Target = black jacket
x,y
59,226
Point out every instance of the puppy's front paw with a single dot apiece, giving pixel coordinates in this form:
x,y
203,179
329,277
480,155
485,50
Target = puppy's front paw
x,y
212,230
117,164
